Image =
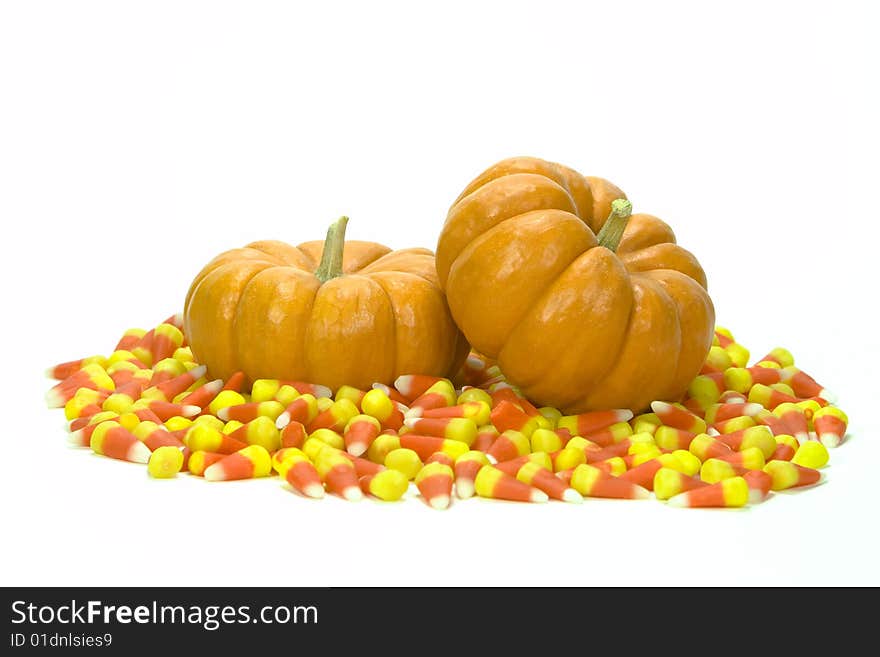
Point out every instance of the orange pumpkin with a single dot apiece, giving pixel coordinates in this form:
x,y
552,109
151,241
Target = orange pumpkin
x,y
329,312
584,306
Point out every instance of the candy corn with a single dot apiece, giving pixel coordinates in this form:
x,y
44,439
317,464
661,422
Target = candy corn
x,y
508,445
293,435
679,418
404,460
250,462
439,394
360,432
200,437
803,384
672,438
795,419
705,447
251,410
790,475
302,476
760,437
336,417
830,425
478,412
591,423
459,429
390,392
112,439
669,482
387,485
199,461
759,483
486,435
165,462
466,468
378,405
513,466
590,481
413,386
714,470
303,409
490,482
769,397
811,454
508,416
338,474
543,479
425,446
718,412
733,492
741,431
434,482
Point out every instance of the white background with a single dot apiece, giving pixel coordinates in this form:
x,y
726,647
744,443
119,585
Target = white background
x,y
137,140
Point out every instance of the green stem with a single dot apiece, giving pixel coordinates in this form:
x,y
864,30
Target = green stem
x,y
331,258
612,230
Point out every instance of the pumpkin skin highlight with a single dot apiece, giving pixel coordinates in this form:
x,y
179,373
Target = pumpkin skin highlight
x,y
262,309
573,324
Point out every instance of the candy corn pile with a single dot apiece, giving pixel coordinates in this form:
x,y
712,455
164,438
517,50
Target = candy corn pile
x,y
741,433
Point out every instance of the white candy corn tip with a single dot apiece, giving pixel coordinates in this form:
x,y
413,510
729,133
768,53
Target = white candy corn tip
x,y
802,436
353,494
751,408
491,459
756,496
214,472
75,437
402,383
475,363
322,391
199,371
681,500
223,414
712,431
464,489
412,413
49,373
624,414
54,399
190,410
440,502
410,421
314,490
356,449
139,453
830,440
538,496
214,386
641,493
571,495
282,420
659,406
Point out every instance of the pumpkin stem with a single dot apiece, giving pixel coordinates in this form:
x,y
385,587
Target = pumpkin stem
x,y
331,258
612,230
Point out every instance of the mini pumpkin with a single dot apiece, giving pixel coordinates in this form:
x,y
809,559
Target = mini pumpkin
x,y
583,306
331,312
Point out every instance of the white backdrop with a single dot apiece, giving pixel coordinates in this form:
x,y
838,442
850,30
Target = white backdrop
x,y
138,140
